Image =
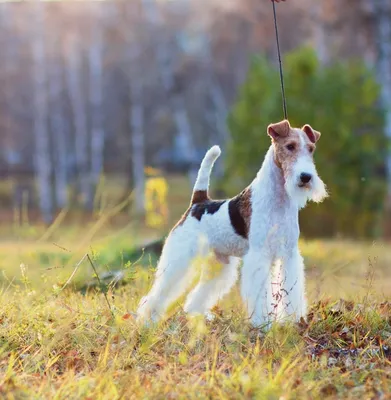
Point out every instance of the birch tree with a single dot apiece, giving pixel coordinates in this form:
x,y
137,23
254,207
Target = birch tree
x,y
74,73
96,100
165,55
7,62
137,136
136,112
58,127
383,67
42,155
220,107
381,12
319,31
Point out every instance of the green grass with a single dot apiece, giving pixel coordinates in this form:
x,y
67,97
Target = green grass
x,y
61,342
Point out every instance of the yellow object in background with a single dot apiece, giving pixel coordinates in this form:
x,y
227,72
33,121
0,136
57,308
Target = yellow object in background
x,y
156,202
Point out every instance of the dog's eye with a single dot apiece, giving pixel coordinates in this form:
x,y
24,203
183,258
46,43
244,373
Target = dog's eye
x,y
311,149
291,147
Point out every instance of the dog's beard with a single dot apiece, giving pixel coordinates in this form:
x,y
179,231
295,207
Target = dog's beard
x,y
318,191
300,193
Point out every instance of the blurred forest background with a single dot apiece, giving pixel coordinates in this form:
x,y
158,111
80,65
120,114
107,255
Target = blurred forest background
x,y
95,93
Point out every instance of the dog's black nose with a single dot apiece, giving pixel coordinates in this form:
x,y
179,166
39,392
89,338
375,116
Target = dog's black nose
x,y
305,178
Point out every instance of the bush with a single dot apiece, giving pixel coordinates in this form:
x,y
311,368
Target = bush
x,y
339,100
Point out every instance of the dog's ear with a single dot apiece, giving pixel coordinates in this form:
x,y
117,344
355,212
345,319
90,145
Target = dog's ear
x,y
279,129
312,134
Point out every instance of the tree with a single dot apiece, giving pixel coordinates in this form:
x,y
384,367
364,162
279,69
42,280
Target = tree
x,y
220,107
137,136
42,151
339,100
383,68
319,30
74,78
58,124
136,116
165,55
95,58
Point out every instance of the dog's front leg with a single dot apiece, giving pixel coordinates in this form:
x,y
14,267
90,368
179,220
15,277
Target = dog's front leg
x,y
256,287
294,296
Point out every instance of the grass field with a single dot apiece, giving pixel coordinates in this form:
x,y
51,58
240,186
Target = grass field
x,y
61,340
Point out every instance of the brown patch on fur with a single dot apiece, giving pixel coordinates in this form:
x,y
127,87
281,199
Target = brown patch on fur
x,y
207,207
279,129
277,162
284,157
199,196
223,258
247,206
240,210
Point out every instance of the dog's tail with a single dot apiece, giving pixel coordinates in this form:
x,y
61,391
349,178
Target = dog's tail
x,y
200,191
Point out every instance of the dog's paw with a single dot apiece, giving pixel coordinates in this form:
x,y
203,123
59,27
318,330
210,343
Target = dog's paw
x,y
210,316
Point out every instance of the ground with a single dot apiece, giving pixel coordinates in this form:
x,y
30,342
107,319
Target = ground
x,y
62,335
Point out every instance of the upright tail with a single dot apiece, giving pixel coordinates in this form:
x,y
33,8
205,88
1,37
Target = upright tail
x,y
200,190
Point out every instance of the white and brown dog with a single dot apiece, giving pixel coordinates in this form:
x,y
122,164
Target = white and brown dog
x,y
259,225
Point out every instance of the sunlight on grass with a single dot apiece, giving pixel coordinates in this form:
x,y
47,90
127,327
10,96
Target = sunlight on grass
x,y
66,334
71,346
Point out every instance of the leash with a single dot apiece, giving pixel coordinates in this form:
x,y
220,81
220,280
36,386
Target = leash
x,y
280,63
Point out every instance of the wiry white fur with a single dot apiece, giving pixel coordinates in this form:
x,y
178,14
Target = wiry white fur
x,y
202,182
211,289
271,248
184,246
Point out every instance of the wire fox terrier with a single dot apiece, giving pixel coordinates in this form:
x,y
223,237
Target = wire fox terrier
x,y
260,225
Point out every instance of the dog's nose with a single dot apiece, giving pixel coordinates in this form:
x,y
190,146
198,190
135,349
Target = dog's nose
x,y
305,178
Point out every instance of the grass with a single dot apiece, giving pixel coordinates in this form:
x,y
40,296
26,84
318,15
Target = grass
x,y
70,346
61,342
65,344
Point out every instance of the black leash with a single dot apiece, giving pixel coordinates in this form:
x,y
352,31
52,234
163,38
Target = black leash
x,y
280,63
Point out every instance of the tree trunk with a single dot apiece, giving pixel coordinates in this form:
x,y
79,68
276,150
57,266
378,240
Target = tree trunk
x,y
80,121
42,154
58,128
319,31
221,116
136,116
96,101
220,108
8,65
177,100
137,132
383,67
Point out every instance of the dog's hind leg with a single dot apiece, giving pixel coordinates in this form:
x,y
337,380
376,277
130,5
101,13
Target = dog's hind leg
x,y
173,276
217,278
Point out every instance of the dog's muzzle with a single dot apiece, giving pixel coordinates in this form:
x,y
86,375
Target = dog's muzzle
x,y
304,179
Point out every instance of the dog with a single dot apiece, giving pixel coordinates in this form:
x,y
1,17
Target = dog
x,y
259,225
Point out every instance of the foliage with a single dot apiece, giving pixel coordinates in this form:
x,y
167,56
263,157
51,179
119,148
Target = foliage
x,y
339,100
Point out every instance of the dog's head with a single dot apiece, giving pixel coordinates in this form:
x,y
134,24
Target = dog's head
x,y
293,153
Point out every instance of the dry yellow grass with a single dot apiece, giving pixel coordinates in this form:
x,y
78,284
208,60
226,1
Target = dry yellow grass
x,y
68,344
